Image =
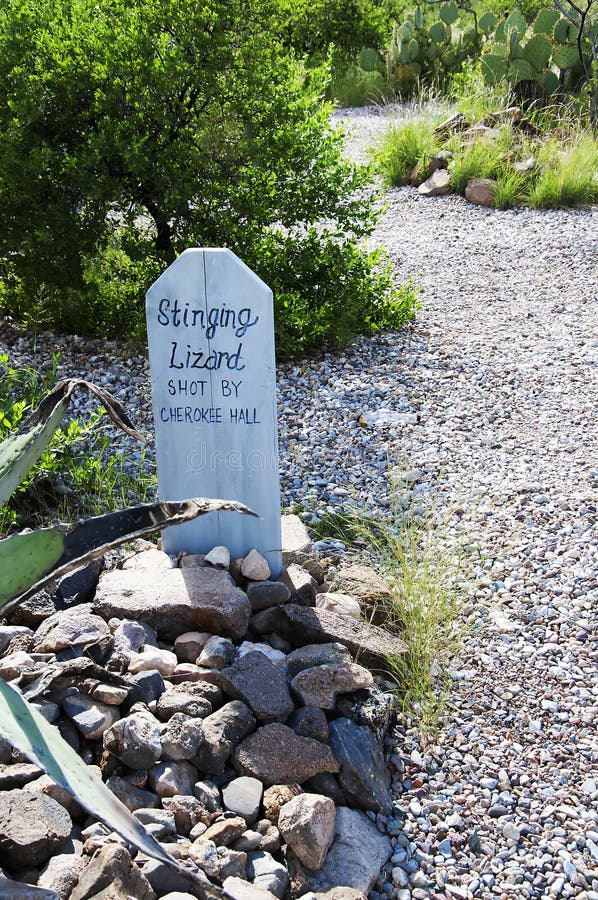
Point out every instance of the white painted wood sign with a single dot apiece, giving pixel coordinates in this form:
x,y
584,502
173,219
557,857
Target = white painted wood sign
x,y
210,325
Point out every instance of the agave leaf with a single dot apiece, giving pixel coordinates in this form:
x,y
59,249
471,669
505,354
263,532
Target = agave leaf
x,y
40,742
19,452
30,560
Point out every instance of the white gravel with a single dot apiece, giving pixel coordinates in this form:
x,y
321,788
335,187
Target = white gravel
x,y
491,403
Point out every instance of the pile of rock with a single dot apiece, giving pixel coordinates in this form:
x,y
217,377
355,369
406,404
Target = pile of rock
x,y
233,714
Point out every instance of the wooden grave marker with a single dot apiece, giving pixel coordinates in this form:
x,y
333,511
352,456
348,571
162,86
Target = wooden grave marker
x,y
210,325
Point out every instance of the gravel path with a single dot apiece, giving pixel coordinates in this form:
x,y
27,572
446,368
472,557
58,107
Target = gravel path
x,y
490,403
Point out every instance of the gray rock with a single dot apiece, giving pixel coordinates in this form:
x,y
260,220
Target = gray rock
x,y
311,722
255,567
187,811
32,828
145,687
243,796
133,797
364,776
328,785
135,740
221,733
307,823
226,831
111,868
61,873
17,775
341,604
91,717
437,185
276,755
165,879
181,737
160,822
357,855
35,610
79,586
264,594
191,698
319,685
316,655
239,889
305,625
209,795
16,890
264,870
218,862
189,645
49,787
261,685
75,628
302,585
174,601
8,632
170,778
218,557
216,653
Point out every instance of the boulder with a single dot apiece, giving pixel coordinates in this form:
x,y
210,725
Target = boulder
x,y
174,601
480,191
255,567
167,779
437,185
363,583
191,698
32,828
219,557
16,890
189,645
311,655
150,658
364,776
78,587
357,855
276,755
307,824
263,594
75,628
261,685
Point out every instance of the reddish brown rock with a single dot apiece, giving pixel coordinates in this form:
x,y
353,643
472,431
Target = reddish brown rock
x,y
276,755
480,191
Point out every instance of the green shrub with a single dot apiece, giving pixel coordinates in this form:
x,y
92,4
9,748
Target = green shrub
x,y
147,127
350,85
311,26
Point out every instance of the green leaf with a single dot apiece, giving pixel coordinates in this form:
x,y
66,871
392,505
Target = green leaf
x,y
27,730
30,560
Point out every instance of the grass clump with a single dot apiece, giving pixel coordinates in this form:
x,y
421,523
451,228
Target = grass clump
x,y
404,146
79,473
423,576
568,176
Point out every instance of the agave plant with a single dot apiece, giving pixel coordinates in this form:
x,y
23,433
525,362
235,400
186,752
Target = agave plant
x,y
30,560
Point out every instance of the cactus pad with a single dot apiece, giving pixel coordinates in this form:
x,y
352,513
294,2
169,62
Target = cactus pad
x,y
520,70
537,51
517,23
494,68
449,13
561,30
369,59
438,32
487,23
406,31
545,21
566,57
550,82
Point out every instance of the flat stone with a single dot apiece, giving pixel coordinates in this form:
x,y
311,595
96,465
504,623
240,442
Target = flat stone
x,y
307,823
221,733
243,795
216,653
437,185
181,737
170,778
16,890
17,775
264,594
192,698
15,664
35,610
319,685
32,827
302,584
73,628
316,655
357,855
261,685
79,586
110,694
135,740
305,625
276,755
91,717
341,604
480,191
255,567
164,661
226,831
133,797
364,776
175,601
239,889
263,869
361,582
50,788
111,867
8,632
296,541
